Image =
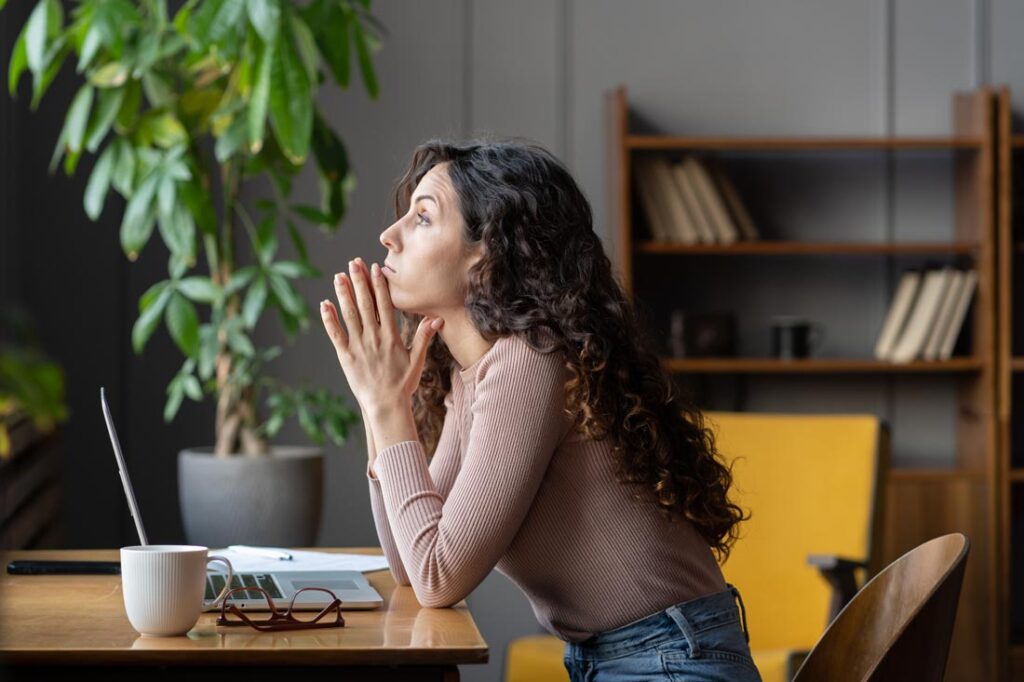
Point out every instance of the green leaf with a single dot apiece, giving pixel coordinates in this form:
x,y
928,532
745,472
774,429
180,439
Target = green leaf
x,y
110,75
199,205
129,111
313,215
297,242
209,346
36,33
258,102
239,279
293,269
178,231
305,47
78,117
285,295
19,61
107,106
161,128
330,26
331,157
146,324
291,105
228,143
99,183
255,299
159,91
192,388
216,18
139,217
365,65
183,323
123,176
265,17
175,392
200,289
239,342
151,294
56,53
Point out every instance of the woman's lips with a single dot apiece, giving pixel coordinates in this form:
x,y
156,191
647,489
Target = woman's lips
x,y
387,270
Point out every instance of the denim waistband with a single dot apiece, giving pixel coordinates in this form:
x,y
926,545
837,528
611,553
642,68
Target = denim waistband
x,y
684,619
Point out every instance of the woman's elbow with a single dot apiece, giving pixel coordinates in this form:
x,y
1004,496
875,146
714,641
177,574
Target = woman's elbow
x,y
434,600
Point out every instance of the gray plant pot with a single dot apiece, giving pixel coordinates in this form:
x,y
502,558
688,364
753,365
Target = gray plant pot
x,y
270,499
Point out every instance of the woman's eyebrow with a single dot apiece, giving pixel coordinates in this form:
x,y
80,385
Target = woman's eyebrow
x,y
427,196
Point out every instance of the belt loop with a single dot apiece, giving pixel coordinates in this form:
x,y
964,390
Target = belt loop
x,y
743,610
677,615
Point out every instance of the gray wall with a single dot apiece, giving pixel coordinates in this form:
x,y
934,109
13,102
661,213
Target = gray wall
x,y
538,69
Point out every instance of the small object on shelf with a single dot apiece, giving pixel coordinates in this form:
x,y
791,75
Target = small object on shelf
x,y
702,335
795,338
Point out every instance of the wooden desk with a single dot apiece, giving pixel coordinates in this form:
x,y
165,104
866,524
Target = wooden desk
x,y
64,622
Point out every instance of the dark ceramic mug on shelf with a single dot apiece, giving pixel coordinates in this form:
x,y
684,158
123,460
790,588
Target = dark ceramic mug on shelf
x,y
795,338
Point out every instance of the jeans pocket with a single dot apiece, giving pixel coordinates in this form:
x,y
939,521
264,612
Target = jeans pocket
x,y
723,655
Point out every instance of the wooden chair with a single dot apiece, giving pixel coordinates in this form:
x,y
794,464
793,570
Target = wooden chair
x,y
900,624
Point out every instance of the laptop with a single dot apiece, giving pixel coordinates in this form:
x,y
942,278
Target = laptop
x,y
351,587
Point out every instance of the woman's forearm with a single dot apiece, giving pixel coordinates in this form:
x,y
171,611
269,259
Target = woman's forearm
x,y
371,447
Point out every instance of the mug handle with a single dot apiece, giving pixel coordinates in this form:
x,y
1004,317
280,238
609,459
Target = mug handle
x,y
215,604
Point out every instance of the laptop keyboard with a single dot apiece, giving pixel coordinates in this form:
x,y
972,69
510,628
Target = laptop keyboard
x,y
215,583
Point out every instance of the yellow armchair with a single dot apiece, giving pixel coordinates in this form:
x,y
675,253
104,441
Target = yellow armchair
x,y
812,485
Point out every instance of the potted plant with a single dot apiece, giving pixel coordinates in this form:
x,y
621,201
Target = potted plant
x,y
181,110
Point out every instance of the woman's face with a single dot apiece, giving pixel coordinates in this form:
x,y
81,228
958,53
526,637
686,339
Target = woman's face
x,y
426,250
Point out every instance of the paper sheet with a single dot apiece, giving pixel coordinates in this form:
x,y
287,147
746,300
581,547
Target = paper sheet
x,y
302,561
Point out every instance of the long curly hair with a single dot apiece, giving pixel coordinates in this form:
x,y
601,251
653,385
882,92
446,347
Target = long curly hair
x,y
545,276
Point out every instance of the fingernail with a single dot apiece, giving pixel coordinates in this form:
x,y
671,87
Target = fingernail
x,y
436,324
376,270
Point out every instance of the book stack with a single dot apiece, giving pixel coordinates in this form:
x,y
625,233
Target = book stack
x,y
691,202
926,314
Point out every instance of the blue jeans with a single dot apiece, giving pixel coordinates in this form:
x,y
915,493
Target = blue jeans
x,y
700,639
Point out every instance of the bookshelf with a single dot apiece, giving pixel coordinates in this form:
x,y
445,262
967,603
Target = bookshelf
x,y
1010,383
921,501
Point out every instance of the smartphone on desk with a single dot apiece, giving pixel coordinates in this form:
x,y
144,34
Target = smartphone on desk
x,y
62,567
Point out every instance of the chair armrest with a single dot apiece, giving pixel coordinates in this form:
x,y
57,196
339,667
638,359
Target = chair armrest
x,y
840,574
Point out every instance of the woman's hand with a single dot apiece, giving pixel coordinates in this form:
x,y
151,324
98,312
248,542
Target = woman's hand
x,y
381,371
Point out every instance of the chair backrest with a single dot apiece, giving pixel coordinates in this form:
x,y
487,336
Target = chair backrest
x,y
900,624
811,483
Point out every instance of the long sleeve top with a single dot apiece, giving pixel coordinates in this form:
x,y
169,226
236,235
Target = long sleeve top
x,y
512,487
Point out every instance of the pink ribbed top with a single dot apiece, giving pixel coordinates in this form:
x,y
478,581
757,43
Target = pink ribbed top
x,y
511,488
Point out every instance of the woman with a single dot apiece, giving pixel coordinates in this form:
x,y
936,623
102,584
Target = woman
x,y
539,435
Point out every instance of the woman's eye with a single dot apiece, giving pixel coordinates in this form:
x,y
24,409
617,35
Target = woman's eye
x,y
423,218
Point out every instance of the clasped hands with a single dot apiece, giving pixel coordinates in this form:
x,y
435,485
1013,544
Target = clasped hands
x,y
380,370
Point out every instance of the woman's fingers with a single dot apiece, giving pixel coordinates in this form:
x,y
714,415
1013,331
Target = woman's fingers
x,y
364,297
342,287
333,326
384,306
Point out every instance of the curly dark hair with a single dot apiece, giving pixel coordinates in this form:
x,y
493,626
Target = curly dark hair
x,y
545,276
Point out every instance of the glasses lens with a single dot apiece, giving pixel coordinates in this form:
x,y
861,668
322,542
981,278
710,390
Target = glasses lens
x,y
314,599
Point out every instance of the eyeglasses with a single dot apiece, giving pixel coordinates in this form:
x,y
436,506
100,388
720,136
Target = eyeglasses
x,y
280,620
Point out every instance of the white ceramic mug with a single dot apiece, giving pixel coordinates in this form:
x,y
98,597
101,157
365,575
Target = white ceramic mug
x,y
164,586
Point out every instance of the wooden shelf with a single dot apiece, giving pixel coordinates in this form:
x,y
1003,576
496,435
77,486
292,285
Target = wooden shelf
x,y
816,366
786,248
1017,141
669,142
1016,364
1017,474
931,474
921,502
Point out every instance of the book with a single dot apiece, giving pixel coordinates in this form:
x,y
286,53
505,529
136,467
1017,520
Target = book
x,y
959,314
949,302
741,217
657,219
681,224
899,311
697,211
725,231
922,317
